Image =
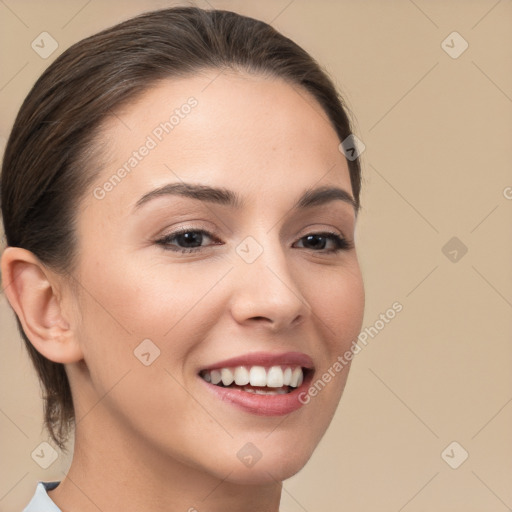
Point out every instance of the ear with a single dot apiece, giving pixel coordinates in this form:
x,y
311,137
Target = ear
x,y
34,293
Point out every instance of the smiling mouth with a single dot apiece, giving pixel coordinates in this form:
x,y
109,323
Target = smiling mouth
x,y
273,380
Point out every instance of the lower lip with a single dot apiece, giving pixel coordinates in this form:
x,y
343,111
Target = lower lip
x,y
263,405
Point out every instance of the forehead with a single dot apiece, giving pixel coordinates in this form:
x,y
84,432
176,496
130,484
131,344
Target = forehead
x,y
255,134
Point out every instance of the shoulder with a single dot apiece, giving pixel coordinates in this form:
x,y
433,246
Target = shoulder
x,y
41,502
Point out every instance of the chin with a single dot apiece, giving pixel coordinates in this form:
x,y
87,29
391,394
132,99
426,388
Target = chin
x,y
262,474
276,463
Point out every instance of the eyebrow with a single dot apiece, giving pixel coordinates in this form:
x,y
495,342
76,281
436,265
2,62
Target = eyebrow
x,y
226,197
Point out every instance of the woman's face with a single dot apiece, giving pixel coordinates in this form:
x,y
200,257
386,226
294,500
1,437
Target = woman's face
x,y
249,275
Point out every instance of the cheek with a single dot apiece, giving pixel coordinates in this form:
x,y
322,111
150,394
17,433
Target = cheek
x,y
337,302
126,302
133,314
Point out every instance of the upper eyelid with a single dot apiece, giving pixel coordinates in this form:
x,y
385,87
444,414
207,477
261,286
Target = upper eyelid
x,y
339,223
213,235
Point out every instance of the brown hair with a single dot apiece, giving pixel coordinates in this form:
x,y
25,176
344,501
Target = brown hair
x,y
47,162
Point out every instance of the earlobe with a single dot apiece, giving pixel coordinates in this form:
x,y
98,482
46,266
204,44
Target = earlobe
x,y
33,292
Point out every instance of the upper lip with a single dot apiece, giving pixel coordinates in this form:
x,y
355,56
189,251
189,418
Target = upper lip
x,y
265,359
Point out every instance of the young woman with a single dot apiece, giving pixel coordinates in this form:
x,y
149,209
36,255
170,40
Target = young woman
x,y
180,226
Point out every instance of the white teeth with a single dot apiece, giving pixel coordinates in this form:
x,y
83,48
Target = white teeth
x,y
273,377
258,376
241,376
227,376
215,376
296,376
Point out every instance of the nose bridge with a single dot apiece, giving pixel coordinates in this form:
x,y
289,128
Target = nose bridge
x,y
266,288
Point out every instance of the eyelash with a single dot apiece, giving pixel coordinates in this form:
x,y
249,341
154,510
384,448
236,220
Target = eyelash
x,y
341,244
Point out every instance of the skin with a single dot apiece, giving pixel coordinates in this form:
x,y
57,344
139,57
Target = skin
x,y
151,437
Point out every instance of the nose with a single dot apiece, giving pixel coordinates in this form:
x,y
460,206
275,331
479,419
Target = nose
x,y
267,293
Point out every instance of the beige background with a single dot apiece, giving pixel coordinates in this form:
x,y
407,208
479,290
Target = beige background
x,y
437,165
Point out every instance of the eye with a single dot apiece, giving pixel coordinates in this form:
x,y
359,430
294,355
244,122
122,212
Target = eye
x,y
319,242
186,240
193,240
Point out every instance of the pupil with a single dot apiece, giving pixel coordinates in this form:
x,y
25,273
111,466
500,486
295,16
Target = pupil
x,y
191,239
310,238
